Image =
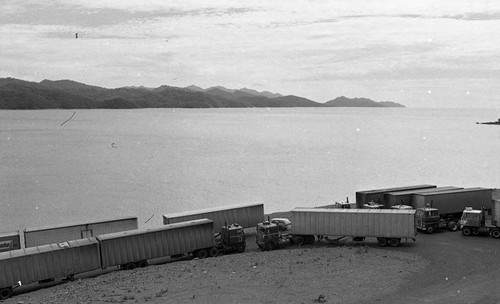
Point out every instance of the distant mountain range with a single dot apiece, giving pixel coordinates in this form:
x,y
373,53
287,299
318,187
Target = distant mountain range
x,y
68,94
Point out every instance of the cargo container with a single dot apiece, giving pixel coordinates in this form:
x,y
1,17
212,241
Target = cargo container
x,y
454,201
377,195
46,263
443,209
74,231
129,249
406,197
245,215
10,241
388,226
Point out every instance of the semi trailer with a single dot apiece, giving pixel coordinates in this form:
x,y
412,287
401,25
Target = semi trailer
x,y
245,215
74,231
388,226
377,196
126,249
10,241
443,209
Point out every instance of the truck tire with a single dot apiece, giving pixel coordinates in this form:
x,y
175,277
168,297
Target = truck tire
x,y
128,266
430,230
142,264
394,242
309,239
213,252
240,247
201,254
466,231
269,246
5,293
495,233
382,242
298,240
452,226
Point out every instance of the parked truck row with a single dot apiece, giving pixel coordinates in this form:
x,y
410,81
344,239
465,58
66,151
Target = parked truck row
x,y
63,251
436,208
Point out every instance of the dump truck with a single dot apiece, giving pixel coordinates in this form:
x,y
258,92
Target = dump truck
x,y
443,209
245,215
388,226
74,231
475,222
377,196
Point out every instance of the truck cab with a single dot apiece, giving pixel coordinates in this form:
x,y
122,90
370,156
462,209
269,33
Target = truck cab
x,y
232,238
428,220
474,222
269,236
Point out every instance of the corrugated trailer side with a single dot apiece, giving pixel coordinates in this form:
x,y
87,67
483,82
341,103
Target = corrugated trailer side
x,y
74,231
495,212
377,195
387,223
245,215
137,246
405,197
34,264
454,201
10,241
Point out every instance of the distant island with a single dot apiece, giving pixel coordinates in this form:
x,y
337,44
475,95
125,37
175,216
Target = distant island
x,y
68,94
490,122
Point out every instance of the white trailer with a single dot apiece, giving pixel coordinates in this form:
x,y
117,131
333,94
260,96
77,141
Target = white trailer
x,y
129,249
388,226
46,263
74,231
245,215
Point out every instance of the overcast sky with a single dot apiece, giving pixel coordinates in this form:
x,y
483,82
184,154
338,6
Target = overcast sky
x,y
425,53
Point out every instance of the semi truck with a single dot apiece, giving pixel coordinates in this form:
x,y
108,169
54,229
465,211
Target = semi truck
x,y
475,222
443,209
245,215
388,226
74,231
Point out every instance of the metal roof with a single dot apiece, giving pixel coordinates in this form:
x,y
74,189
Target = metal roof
x,y
362,211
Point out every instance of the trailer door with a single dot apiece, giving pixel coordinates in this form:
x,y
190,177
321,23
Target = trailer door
x,y
87,233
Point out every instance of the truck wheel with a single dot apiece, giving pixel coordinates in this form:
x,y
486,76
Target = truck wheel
x,y
201,254
466,231
382,242
5,293
452,226
309,239
128,266
298,240
240,248
495,233
213,252
394,242
269,246
430,229
142,264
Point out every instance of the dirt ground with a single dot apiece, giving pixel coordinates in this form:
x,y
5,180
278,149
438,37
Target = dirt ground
x,y
440,268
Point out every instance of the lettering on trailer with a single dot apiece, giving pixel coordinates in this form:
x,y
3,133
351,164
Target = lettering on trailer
x,y
6,244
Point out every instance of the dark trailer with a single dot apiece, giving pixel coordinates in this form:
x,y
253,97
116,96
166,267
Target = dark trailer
x,y
377,195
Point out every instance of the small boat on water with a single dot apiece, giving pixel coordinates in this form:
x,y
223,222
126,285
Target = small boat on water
x,y
490,122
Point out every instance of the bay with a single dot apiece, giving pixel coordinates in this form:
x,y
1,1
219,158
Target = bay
x,y
104,164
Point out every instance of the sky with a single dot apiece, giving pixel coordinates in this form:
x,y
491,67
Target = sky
x,y
425,53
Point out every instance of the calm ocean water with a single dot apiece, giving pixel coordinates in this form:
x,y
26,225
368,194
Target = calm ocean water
x,y
104,164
